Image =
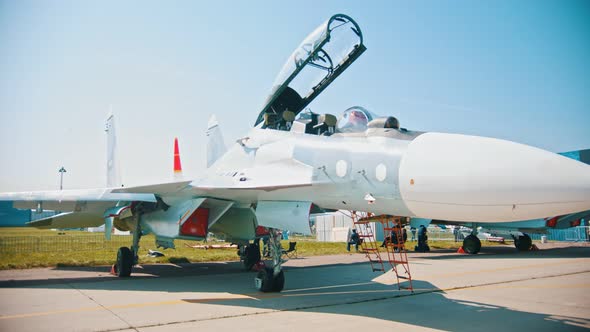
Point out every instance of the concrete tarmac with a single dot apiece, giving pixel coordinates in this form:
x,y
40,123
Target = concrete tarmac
x,y
499,289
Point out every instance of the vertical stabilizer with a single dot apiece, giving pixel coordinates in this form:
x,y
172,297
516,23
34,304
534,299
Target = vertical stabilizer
x,y
215,144
113,177
177,166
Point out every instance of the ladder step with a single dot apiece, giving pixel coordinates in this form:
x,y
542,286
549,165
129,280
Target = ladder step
x,y
370,249
375,270
375,261
399,262
369,235
402,277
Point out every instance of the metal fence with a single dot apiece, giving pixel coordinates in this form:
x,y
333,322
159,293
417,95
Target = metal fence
x,y
574,234
62,243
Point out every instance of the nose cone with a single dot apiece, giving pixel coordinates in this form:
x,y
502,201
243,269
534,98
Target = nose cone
x,y
470,178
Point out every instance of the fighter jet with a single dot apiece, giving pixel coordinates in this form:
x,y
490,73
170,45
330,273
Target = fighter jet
x,y
294,162
517,230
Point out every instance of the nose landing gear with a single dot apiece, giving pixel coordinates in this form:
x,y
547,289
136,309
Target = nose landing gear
x,y
272,279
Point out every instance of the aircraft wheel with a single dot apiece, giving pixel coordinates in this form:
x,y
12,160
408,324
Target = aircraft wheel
x,y
279,282
251,256
471,244
523,243
124,262
264,280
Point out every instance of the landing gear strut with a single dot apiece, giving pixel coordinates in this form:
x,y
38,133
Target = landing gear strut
x,y
523,242
249,254
127,257
272,279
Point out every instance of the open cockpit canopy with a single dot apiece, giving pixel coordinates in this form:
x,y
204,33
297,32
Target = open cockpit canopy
x,y
320,58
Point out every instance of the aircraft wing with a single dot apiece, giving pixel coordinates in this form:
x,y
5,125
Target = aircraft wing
x,y
68,220
285,174
155,189
72,200
279,175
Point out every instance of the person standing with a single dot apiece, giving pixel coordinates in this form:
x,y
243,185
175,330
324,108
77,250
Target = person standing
x,y
354,239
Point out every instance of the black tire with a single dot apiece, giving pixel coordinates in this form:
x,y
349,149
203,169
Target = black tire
x,y
251,256
471,244
265,282
523,243
279,282
124,262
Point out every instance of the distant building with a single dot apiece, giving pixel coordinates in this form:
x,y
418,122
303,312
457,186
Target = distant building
x,y
11,217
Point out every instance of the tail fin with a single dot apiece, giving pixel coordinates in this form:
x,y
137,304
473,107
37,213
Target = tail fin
x,y
215,144
113,178
177,166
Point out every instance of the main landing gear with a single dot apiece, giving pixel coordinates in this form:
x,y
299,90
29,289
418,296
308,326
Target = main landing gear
x,y
272,279
128,257
471,244
523,242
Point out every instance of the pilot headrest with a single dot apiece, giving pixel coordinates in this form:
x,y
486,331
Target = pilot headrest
x,y
391,122
328,119
288,116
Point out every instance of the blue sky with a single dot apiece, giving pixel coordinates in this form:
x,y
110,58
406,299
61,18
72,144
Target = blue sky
x,y
516,70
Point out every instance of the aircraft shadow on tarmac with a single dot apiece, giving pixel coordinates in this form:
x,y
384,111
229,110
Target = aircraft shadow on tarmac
x,y
343,289
510,252
150,271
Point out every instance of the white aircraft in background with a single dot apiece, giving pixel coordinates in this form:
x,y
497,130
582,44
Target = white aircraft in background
x,y
295,161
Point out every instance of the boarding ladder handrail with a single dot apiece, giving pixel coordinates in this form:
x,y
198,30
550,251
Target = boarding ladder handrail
x,y
396,252
397,255
368,244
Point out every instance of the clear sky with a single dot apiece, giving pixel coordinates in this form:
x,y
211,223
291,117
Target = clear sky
x,y
516,70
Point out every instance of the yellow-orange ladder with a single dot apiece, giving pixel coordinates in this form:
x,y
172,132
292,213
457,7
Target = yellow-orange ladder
x,y
396,252
397,255
368,245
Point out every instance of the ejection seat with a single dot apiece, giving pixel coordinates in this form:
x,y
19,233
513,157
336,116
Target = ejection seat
x,y
272,120
326,124
288,118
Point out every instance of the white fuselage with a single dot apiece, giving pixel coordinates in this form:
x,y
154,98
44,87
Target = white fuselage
x,y
436,176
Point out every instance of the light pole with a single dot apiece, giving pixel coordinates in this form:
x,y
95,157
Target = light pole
x,y
61,171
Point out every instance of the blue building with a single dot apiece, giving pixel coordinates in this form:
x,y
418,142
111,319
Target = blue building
x,y
11,217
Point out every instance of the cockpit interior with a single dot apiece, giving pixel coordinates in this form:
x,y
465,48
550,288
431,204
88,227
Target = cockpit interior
x,y
314,65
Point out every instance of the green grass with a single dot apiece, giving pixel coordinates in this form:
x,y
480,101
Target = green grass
x,y
26,248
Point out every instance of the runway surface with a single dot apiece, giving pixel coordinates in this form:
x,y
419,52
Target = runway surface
x,y
500,289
